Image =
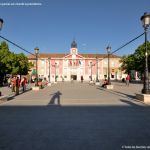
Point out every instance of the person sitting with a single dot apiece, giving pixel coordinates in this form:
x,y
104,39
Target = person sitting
x,y
105,83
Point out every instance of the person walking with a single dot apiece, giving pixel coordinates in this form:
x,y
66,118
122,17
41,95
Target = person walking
x,y
23,84
82,79
13,84
17,85
127,80
9,82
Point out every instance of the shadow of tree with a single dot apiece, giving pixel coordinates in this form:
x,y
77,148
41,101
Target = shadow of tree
x,y
13,95
55,98
117,93
74,127
129,103
127,95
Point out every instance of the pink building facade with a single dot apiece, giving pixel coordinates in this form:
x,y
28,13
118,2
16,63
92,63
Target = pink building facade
x,y
73,66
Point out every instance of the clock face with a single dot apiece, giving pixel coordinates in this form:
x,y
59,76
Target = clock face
x,y
73,51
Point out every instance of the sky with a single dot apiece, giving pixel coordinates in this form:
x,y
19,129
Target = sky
x,y
52,25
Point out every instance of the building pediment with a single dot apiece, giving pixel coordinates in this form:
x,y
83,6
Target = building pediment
x,y
73,56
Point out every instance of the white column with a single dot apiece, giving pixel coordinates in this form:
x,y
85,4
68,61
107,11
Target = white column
x,y
45,69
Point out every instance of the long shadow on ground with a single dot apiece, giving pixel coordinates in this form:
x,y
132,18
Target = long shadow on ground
x,y
117,93
58,127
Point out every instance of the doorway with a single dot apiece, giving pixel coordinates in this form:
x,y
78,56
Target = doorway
x,y
74,77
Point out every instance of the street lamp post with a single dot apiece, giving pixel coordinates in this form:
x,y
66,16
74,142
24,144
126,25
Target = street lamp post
x,y
91,69
36,54
146,22
49,71
108,52
55,71
1,24
97,69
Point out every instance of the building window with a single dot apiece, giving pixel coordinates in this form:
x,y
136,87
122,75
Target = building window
x,y
65,63
81,62
42,61
105,62
113,64
89,63
57,62
34,63
112,75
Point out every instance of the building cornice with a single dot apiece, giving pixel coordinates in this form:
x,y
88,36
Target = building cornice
x,y
64,56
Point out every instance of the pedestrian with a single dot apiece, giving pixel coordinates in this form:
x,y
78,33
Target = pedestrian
x,y
62,79
17,85
13,84
123,79
72,80
127,80
9,82
23,84
82,79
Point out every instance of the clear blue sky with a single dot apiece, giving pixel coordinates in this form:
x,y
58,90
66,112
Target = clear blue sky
x,y
93,23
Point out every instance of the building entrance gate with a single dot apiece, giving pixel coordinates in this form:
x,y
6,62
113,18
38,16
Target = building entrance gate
x,y
74,77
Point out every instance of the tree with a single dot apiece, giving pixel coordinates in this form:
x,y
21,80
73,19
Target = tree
x,y
136,61
5,67
11,63
139,55
127,63
20,64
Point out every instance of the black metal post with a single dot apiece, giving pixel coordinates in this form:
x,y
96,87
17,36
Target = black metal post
x,y
36,70
1,24
97,70
49,71
55,71
109,83
36,55
146,89
91,70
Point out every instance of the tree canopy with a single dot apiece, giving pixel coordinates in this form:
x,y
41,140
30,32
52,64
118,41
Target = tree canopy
x,y
11,63
136,61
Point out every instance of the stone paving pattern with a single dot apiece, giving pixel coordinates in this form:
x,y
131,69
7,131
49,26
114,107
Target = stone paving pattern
x,y
75,116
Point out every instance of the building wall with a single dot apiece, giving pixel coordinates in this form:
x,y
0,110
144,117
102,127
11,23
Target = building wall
x,y
75,65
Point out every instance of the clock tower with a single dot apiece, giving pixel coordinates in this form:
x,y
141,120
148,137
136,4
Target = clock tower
x,y
74,49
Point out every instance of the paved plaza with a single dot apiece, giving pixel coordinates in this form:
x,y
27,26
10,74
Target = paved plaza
x,y
75,116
